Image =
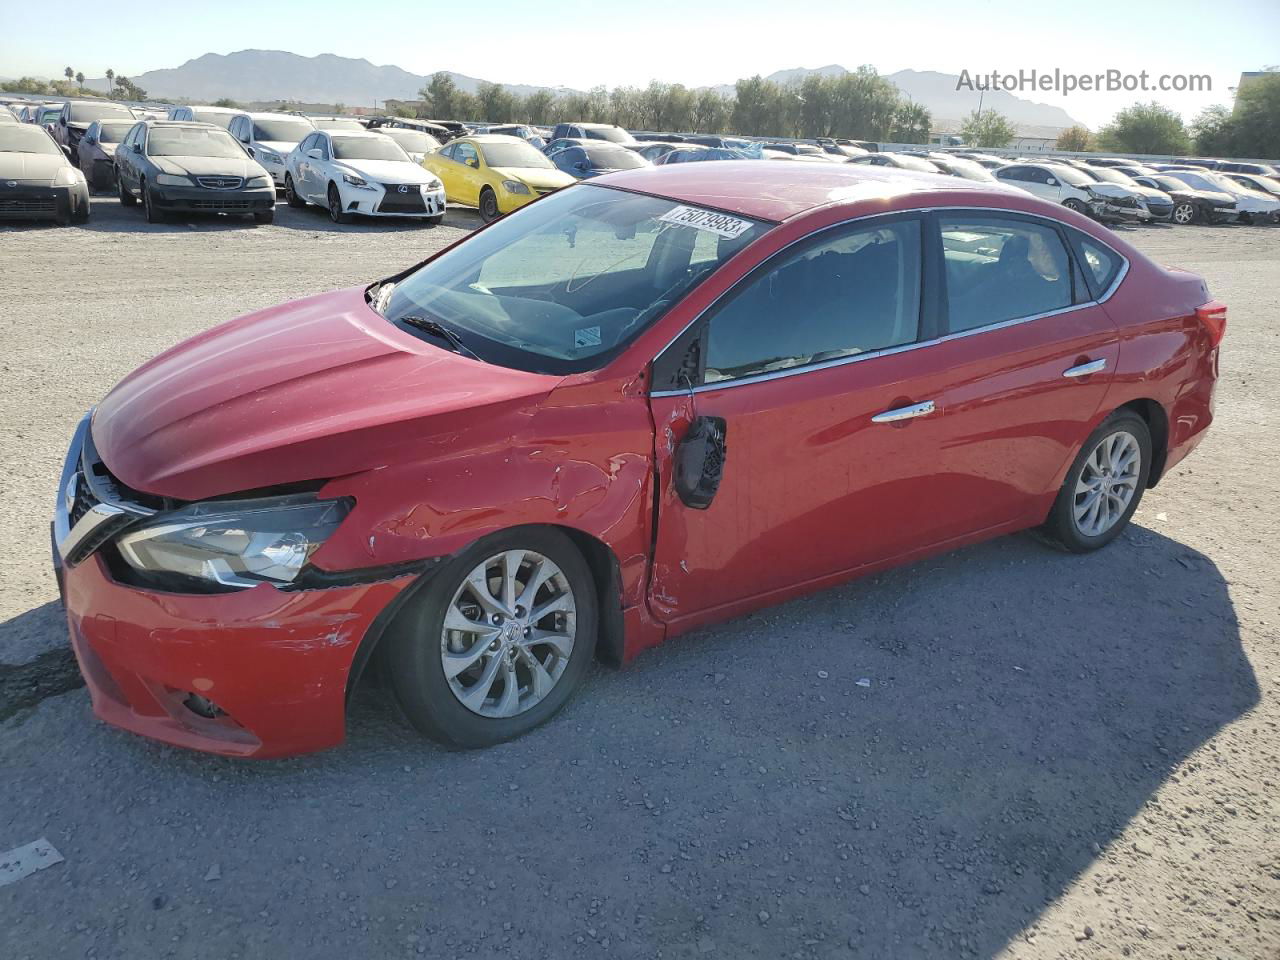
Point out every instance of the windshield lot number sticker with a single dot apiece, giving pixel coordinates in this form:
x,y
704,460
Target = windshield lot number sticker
x,y
587,337
718,223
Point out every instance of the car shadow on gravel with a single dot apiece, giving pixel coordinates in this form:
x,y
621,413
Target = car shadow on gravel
x,y
911,766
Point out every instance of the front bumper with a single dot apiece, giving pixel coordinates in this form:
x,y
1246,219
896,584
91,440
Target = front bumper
x,y
1108,210
385,200
1160,211
202,200
276,663
31,202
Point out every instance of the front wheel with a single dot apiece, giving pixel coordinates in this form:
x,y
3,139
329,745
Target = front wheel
x,y
148,205
291,195
489,206
1184,212
1071,203
336,213
497,641
1104,485
126,198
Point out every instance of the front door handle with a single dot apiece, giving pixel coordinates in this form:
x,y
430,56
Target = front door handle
x,y
1085,369
904,413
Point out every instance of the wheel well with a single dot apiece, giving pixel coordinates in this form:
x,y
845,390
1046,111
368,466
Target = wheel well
x,y
1157,422
603,565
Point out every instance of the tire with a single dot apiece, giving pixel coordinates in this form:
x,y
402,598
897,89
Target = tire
x,y
1071,525
290,195
336,213
489,205
81,213
153,215
1185,212
101,177
1246,219
418,642
1071,203
264,216
127,199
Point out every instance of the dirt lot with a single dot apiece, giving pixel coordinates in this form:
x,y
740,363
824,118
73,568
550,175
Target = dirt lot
x,y
1056,756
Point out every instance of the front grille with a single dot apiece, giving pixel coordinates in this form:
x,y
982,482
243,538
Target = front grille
x,y
220,204
19,205
220,183
396,202
84,501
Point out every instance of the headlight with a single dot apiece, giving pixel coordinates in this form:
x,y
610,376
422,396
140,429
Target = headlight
x,y
514,186
235,544
169,180
67,177
355,181
266,156
263,181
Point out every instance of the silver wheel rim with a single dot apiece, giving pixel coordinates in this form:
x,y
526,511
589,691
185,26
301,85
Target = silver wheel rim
x,y
1107,483
1183,213
508,634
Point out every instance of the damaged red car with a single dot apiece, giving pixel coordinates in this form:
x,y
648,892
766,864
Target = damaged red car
x,y
585,429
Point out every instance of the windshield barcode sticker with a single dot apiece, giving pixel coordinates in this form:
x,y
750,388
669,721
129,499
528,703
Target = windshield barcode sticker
x,y
587,337
718,223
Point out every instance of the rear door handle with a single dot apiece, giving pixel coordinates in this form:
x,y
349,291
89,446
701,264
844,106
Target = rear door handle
x,y
1084,369
904,413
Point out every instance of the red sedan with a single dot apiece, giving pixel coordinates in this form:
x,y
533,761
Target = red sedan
x,y
639,405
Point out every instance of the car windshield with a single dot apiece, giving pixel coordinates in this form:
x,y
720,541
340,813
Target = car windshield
x,y
612,134
367,148
24,138
216,117
1111,175
565,283
338,124
411,140
604,157
113,131
89,112
514,154
192,142
1168,184
281,130
1071,176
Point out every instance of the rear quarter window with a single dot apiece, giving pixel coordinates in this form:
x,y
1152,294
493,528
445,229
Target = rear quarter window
x,y
1101,264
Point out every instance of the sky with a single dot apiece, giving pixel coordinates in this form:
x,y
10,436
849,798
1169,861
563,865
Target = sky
x,y
580,43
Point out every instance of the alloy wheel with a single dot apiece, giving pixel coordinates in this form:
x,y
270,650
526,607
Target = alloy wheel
x,y
1184,213
1107,483
508,633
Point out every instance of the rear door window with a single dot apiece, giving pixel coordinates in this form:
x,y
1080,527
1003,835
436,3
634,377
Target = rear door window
x,y
1001,268
853,293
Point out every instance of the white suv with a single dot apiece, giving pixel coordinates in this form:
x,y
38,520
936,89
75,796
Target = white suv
x,y
270,137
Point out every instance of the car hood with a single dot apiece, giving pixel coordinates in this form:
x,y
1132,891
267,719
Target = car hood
x,y
1150,193
41,167
536,177
1251,201
386,171
209,166
282,147
310,390
1115,190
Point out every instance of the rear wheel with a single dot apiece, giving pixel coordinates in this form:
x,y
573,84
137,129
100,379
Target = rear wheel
x,y
498,640
290,195
1184,212
336,213
489,205
1104,485
126,198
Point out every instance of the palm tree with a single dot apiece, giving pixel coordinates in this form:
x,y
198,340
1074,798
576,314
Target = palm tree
x,y
111,81
69,73
80,78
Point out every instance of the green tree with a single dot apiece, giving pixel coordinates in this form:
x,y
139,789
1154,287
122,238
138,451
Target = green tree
x,y
752,105
29,85
441,95
1213,130
79,79
69,73
538,107
495,103
711,112
911,123
111,81
1255,121
1076,139
1145,128
126,89
226,102
989,129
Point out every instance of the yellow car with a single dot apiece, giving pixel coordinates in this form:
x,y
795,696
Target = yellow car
x,y
495,173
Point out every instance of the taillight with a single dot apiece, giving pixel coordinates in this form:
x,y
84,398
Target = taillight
x,y
1214,317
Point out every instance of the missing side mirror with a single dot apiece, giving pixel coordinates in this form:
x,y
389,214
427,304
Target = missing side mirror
x,y
699,462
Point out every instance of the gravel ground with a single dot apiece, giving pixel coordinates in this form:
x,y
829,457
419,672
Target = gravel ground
x,y
1004,752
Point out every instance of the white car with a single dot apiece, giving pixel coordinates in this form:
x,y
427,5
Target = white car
x,y
364,173
218,116
269,137
415,143
1250,204
1074,189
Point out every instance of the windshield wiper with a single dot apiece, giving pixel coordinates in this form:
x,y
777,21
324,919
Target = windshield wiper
x,y
438,329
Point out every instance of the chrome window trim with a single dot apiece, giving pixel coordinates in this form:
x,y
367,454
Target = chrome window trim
x,y
890,351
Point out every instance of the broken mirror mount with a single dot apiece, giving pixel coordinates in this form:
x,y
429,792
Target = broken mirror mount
x,y
699,462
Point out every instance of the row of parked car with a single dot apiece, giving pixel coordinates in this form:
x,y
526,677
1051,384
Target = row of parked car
x,y
214,159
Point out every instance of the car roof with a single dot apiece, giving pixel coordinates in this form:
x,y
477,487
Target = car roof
x,y
209,108
271,115
353,134
494,138
769,190
197,124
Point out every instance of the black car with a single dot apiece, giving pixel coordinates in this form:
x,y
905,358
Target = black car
x,y
1189,204
179,166
37,181
593,159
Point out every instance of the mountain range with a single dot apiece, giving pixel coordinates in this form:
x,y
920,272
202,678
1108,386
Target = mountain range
x,y
265,75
